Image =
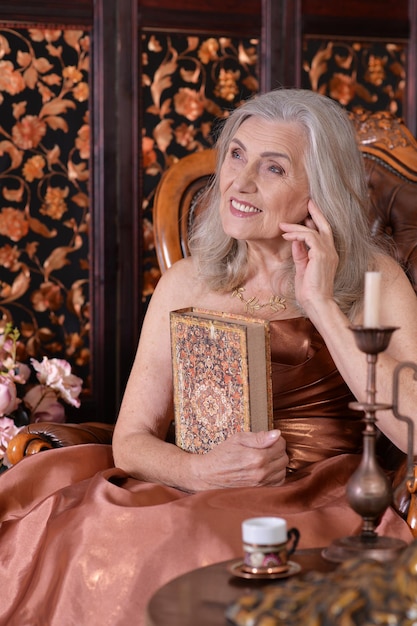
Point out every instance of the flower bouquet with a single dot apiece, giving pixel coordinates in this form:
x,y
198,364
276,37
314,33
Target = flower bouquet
x,y
31,395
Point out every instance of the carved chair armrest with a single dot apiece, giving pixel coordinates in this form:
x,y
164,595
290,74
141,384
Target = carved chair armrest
x,y
45,435
412,509
405,494
395,465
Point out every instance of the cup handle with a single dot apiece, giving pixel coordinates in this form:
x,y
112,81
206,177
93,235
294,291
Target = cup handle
x,y
293,539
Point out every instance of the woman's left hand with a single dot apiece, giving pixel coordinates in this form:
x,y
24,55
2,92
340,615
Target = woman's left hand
x,y
314,255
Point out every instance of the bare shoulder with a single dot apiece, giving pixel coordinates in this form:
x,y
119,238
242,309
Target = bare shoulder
x,y
393,275
174,291
180,269
178,286
398,298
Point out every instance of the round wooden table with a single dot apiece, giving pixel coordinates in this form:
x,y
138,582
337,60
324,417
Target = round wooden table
x,y
202,596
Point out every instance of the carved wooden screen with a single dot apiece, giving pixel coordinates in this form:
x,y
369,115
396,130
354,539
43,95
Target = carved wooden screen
x,y
362,54
369,75
44,190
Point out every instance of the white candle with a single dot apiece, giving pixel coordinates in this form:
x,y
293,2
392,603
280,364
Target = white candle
x,y
372,300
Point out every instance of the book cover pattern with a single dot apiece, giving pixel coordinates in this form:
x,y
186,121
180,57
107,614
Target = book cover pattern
x,y
211,383
210,369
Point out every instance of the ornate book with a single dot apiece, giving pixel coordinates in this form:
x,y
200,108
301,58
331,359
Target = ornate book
x,y
221,376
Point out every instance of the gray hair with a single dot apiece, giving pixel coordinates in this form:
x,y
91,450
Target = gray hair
x,y
337,181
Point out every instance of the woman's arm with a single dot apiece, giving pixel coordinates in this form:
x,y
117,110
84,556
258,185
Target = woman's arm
x,y
399,310
147,410
316,263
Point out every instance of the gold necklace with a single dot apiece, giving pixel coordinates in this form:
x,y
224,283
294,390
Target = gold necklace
x,y
275,302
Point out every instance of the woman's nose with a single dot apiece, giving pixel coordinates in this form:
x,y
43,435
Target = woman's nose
x,y
245,181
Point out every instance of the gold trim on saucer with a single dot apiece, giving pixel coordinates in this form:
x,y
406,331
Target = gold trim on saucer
x,y
236,569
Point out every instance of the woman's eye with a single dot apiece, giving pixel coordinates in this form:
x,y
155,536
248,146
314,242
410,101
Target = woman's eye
x,y
277,169
235,153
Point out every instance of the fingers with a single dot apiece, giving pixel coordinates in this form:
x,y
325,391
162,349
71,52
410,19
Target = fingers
x,y
265,457
271,467
321,224
261,439
312,240
317,217
247,459
314,223
299,252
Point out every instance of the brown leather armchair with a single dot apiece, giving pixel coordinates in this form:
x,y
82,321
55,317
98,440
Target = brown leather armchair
x,y
45,435
390,154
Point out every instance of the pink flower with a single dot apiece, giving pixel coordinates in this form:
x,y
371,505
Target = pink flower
x,y
43,405
8,397
7,431
42,401
56,374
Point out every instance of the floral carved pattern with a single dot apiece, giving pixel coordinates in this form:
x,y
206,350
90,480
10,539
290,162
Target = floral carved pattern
x,y
380,127
359,75
189,85
44,201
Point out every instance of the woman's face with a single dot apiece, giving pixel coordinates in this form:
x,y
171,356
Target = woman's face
x,y
263,180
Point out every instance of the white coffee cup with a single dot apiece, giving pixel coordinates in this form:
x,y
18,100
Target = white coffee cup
x,y
267,544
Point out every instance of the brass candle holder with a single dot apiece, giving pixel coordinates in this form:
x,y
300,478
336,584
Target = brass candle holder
x,y
369,491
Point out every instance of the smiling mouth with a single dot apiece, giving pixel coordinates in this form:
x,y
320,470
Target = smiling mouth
x,y
244,208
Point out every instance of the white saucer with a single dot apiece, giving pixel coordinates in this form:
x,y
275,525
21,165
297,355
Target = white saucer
x,y
236,569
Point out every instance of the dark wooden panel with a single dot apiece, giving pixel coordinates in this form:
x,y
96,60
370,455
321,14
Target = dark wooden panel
x,y
104,224
367,9
373,18
64,12
280,44
117,235
130,311
356,27
229,17
223,7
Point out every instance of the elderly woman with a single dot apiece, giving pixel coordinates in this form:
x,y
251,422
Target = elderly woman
x,y
284,223
286,217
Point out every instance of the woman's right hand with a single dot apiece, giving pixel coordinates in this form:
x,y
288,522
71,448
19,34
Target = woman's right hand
x,y
243,460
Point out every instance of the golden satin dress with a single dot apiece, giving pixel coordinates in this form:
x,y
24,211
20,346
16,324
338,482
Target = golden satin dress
x,y
83,543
